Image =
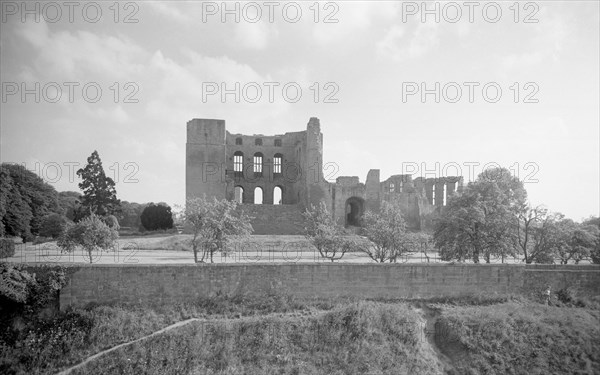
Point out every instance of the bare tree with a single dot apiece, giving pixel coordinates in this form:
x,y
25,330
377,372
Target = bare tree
x,y
530,220
326,235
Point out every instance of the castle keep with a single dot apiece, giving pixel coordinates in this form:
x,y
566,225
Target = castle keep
x,y
277,177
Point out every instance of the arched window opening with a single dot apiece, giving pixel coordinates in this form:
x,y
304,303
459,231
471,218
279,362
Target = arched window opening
x,y
277,195
401,187
277,163
258,162
258,195
433,195
238,161
239,194
238,141
392,187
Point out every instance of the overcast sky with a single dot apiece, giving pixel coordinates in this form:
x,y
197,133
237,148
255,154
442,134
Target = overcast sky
x,y
373,57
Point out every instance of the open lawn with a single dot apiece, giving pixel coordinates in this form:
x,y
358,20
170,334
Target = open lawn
x,y
174,249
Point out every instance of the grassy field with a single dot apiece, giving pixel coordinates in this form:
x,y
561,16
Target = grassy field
x,y
279,334
176,249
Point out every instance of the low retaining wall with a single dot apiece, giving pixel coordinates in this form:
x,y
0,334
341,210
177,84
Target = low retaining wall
x,y
180,283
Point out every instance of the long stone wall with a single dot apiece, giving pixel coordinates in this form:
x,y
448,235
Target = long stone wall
x,y
180,283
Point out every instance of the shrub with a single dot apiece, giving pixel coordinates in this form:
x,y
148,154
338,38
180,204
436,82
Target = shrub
x,y
157,217
14,283
53,225
21,290
7,248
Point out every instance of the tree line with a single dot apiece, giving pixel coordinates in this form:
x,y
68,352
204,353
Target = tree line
x,y
490,219
30,207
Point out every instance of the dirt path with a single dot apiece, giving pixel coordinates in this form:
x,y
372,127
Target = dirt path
x,y
175,326
428,324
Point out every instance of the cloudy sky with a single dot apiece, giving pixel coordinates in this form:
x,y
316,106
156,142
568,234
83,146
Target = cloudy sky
x,y
361,68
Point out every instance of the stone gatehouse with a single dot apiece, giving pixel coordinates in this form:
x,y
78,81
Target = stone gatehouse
x,y
277,177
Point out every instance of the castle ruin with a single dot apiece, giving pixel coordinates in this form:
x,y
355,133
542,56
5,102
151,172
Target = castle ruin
x,y
277,177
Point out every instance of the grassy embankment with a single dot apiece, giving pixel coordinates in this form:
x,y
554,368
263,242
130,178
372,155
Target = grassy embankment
x,y
279,334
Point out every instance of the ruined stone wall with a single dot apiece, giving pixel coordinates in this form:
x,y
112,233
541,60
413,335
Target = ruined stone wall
x,y
317,188
133,284
205,158
344,189
210,170
277,220
267,180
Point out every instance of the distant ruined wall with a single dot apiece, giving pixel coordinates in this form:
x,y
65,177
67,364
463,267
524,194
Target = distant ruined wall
x,y
276,220
132,284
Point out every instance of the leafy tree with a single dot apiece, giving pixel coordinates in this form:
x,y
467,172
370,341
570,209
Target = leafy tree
x,y
215,226
91,234
99,194
16,213
326,235
69,202
5,185
386,230
583,242
592,225
459,232
130,215
111,221
480,220
560,238
566,240
543,237
26,199
53,225
156,217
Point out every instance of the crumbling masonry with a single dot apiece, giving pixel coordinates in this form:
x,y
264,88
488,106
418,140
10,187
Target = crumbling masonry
x,y
277,177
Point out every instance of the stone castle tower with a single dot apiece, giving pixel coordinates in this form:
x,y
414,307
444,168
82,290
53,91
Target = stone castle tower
x,y
277,177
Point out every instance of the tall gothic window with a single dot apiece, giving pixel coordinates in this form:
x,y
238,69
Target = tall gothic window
x,y
258,162
238,161
277,163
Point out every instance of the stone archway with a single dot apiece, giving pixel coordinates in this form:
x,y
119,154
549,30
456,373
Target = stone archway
x,y
355,207
238,194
